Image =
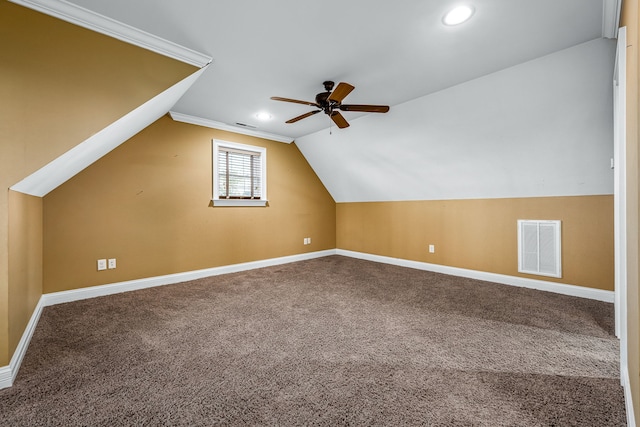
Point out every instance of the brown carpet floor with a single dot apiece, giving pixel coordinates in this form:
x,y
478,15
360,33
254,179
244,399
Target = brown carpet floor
x,y
332,341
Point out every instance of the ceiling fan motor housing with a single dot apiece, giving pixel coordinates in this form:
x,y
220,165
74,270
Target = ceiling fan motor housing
x,y
330,102
323,101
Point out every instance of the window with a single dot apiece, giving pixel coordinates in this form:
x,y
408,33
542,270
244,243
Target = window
x,y
239,174
539,247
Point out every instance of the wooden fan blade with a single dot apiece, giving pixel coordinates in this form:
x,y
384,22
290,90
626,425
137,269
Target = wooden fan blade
x,y
303,116
365,108
339,120
340,92
277,98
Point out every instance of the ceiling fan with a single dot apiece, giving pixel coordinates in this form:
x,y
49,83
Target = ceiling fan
x,y
331,104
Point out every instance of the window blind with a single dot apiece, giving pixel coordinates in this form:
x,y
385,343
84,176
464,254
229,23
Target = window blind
x,y
239,174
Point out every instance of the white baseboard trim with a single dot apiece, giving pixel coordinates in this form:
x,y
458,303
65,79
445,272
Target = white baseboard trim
x,y
559,288
149,282
5,377
624,376
8,373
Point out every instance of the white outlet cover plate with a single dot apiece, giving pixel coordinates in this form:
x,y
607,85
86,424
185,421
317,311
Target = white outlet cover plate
x,y
112,263
102,264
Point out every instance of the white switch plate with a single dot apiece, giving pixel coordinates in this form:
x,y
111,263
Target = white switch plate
x,y
112,263
102,264
432,249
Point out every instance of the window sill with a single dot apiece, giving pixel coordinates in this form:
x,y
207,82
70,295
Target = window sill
x,y
239,202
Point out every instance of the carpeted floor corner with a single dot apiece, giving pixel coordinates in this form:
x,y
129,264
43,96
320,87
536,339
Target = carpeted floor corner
x,y
330,342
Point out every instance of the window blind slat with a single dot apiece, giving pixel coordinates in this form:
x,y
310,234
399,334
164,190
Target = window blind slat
x,y
239,174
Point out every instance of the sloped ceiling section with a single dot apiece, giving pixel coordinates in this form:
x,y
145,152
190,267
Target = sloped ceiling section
x,y
541,128
392,52
56,172
81,156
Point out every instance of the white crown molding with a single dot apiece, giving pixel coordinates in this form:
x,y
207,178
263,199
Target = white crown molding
x,y
522,282
86,18
185,118
611,18
64,167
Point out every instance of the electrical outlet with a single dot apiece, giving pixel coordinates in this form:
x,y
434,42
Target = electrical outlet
x,y
432,249
308,240
102,264
111,263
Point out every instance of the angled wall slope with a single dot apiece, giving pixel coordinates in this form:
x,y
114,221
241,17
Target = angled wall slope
x,y
152,200
59,85
456,169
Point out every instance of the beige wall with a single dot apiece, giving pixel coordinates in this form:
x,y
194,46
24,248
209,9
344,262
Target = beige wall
x,y
630,19
59,84
147,204
62,83
25,262
482,234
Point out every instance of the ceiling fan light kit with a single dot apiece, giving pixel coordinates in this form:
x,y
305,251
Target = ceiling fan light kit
x,y
330,103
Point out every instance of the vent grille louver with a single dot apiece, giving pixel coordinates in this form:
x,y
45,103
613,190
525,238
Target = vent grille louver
x,y
539,247
245,125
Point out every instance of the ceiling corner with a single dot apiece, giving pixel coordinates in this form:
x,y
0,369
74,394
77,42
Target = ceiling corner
x,y
611,18
86,18
199,121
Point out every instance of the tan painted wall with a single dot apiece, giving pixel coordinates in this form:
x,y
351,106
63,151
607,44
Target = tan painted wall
x,y
630,19
63,83
147,204
482,234
25,262
59,84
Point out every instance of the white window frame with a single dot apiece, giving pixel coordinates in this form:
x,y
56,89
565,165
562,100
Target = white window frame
x,y
217,201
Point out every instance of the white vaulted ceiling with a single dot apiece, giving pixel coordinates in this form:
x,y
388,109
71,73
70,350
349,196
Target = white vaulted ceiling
x,y
541,128
516,102
391,52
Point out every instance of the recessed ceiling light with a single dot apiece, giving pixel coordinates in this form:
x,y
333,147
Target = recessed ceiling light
x,y
264,116
458,15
